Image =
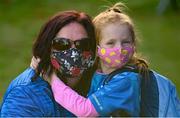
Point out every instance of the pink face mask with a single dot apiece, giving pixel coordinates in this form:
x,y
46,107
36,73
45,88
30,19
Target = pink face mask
x,y
115,57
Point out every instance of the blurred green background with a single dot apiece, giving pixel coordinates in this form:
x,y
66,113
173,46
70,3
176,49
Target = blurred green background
x,y
20,22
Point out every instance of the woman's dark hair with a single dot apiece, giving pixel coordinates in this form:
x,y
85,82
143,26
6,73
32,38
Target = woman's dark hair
x,y
42,45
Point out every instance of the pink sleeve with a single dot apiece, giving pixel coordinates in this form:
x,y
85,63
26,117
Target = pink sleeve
x,y
70,100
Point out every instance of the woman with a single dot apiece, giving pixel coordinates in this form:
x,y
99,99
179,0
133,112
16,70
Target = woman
x,y
30,94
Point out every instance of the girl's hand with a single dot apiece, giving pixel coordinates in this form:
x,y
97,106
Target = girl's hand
x,y
34,62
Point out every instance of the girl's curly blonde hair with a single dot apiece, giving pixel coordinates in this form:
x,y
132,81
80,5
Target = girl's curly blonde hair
x,y
116,14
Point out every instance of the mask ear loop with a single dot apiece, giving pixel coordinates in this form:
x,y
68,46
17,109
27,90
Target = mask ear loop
x,y
97,48
53,60
96,60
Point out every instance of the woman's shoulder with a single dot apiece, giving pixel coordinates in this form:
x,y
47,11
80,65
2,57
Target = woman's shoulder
x,y
23,82
22,91
22,79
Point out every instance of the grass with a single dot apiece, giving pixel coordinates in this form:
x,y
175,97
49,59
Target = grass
x,y
21,21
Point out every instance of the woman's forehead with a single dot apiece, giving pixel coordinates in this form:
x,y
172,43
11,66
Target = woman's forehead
x,y
72,31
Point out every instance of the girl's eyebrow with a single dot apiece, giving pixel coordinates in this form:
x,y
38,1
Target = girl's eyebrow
x,y
126,38
122,39
112,39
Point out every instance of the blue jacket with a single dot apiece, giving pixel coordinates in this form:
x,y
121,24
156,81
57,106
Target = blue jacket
x,y
26,98
169,102
122,93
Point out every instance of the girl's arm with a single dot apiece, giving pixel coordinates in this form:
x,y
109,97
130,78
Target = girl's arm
x,y
70,100
120,94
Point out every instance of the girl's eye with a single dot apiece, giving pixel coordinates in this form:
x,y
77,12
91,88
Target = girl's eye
x,y
110,43
126,42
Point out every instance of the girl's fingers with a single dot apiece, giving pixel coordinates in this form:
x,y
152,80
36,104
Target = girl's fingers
x,y
38,60
34,62
32,65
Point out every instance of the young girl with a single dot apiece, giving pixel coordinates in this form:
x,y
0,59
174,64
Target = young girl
x,y
116,47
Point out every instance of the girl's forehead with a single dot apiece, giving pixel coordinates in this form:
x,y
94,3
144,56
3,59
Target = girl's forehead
x,y
115,31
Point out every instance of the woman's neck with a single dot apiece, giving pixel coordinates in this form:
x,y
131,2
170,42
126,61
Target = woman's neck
x,y
106,69
72,82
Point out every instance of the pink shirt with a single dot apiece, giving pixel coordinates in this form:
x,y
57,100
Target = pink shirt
x,y
71,100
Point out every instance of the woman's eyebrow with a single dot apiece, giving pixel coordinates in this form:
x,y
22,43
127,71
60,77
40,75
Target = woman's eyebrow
x,y
60,38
